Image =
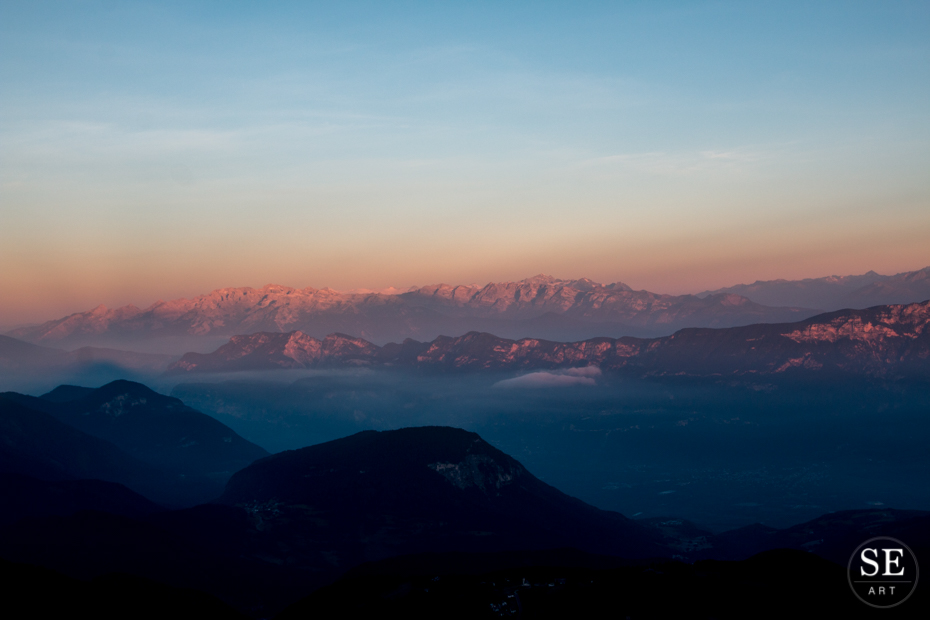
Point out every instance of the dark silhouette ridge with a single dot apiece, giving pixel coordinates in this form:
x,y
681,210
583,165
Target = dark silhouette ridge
x,y
174,454
37,444
67,393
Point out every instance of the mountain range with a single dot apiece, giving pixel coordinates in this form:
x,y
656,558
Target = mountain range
x,y
880,341
539,307
836,292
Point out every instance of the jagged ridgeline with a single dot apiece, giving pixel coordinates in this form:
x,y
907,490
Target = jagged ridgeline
x,y
886,341
540,307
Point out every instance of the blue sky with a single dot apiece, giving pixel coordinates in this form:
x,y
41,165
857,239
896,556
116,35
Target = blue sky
x,y
152,150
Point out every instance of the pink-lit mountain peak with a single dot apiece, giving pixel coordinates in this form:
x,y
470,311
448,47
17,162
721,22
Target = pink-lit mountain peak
x,y
425,311
541,306
539,290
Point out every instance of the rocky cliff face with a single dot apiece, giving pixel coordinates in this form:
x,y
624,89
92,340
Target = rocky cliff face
x,y
877,341
279,350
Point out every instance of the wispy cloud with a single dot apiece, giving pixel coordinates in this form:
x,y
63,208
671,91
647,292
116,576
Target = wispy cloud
x,y
559,378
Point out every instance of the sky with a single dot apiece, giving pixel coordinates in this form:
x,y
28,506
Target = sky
x,y
155,150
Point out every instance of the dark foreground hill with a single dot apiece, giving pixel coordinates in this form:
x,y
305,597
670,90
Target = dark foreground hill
x,y
36,592
300,519
24,496
774,584
380,494
293,522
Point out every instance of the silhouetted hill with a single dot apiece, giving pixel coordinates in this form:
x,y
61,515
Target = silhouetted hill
x,y
422,489
831,536
186,456
67,393
159,429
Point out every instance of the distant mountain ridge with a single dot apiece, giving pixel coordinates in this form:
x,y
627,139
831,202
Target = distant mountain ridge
x,y
836,292
27,367
17,355
880,341
542,306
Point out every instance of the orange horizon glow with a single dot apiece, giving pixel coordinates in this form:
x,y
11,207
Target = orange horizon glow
x,y
675,150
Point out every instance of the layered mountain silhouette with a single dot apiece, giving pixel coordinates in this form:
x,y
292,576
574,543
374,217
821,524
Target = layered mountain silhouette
x,y
37,444
541,306
879,341
292,522
122,432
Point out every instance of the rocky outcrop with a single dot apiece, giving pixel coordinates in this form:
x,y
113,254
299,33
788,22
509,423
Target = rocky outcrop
x,y
276,350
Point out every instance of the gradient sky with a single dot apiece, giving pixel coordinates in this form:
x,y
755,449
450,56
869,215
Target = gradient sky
x,y
164,149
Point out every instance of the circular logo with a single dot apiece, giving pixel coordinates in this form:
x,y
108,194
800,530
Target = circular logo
x,y
883,572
